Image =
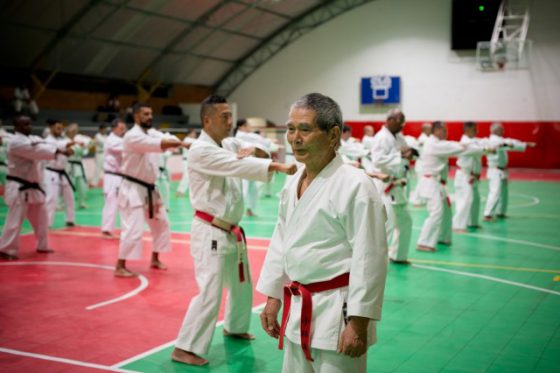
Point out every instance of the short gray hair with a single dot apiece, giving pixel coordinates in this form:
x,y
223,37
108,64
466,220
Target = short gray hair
x,y
393,113
495,126
328,113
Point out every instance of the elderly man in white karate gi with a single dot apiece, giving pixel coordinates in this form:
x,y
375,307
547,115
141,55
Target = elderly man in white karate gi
x,y
497,201
139,199
112,170
467,177
327,260
57,179
390,155
216,166
432,188
25,194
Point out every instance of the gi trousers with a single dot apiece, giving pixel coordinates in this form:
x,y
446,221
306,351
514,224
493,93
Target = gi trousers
x,y
213,272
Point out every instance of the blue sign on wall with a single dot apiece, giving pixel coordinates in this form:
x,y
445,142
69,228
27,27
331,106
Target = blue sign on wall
x,y
381,89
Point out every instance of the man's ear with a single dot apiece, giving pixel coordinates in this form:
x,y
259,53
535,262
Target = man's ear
x,y
334,136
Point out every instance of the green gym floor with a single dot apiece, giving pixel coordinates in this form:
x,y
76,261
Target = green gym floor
x,y
488,303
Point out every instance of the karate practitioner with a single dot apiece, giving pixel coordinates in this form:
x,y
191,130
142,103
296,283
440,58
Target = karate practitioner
x,y
112,169
426,132
432,187
250,187
99,142
57,180
367,143
187,142
350,149
216,165
139,199
76,168
330,246
497,201
390,155
25,195
467,177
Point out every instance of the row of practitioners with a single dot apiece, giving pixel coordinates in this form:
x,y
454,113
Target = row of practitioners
x,y
387,155
327,261
338,277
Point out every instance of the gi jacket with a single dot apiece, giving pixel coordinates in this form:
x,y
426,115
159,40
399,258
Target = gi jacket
x,y
336,227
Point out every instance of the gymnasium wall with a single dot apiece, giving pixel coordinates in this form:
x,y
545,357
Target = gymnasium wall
x,y
411,39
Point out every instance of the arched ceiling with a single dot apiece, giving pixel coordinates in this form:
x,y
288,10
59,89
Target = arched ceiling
x,y
216,43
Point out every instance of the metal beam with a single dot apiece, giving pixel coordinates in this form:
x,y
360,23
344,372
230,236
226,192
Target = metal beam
x,y
292,31
62,33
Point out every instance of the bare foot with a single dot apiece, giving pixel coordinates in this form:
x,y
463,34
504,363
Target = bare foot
x,y
7,256
246,336
187,357
106,234
45,251
158,265
459,231
249,212
123,272
425,248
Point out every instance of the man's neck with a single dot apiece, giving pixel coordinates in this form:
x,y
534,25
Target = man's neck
x,y
312,170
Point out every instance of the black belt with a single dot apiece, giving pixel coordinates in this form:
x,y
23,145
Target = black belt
x,y
113,173
62,173
149,187
2,163
501,168
25,185
79,163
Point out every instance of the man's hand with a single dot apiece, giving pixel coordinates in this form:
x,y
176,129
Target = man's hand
x,y
66,152
246,152
70,144
269,317
353,340
531,144
379,175
288,169
407,153
169,143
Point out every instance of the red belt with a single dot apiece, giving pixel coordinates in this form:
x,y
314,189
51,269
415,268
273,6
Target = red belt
x,y
392,185
305,291
236,230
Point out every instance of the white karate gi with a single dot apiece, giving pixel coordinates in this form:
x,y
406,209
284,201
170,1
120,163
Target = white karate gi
x,y
140,161
215,188
250,187
56,183
351,151
386,158
112,157
435,154
336,227
497,174
467,196
163,180
99,141
414,198
367,143
184,183
25,154
4,155
76,168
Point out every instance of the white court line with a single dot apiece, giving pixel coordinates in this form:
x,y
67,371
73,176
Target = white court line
x,y
489,278
143,280
496,238
62,360
165,345
535,201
